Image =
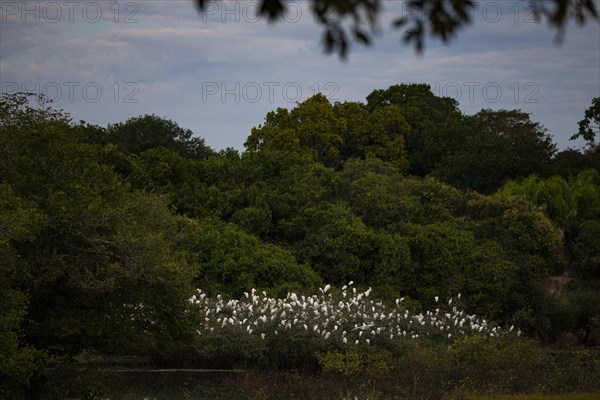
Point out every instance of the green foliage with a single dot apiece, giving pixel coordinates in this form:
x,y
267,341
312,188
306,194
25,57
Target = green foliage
x,y
526,234
571,162
347,364
476,366
333,133
576,317
568,202
104,232
496,367
448,260
381,134
340,247
20,221
139,134
17,113
436,122
479,152
351,368
498,145
87,263
18,361
586,249
573,205
312,128
228,348
230,261
589,126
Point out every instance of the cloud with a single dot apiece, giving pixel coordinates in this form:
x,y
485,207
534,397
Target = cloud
x,y
221,78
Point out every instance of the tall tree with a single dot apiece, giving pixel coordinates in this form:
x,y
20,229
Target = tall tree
x,y
589,126
101,270
573,204
139,134
436,123
571,162
333,133
20,221
311,128
499,145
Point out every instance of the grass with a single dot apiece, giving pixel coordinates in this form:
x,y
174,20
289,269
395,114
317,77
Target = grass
x,y
572,396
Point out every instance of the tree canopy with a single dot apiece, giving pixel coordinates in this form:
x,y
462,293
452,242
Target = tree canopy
x,y
106,232
589,126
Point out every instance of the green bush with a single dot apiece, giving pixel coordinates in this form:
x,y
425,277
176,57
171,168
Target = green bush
x,y
494,366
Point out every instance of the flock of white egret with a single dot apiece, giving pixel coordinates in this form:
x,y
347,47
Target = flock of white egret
x,y
347,315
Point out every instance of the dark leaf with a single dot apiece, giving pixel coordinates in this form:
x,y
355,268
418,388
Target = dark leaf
x,y
273,9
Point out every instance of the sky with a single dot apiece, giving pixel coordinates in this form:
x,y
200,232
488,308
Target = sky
x,y
220,73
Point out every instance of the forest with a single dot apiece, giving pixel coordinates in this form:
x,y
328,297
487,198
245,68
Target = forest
x,y
120,240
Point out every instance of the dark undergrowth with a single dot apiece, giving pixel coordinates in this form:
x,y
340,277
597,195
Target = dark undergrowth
x,y
475,366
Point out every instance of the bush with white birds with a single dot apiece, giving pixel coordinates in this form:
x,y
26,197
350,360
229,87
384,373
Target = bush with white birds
x,y
346,316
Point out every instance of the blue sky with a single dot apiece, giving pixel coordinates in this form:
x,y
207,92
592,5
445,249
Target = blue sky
x,y
218,74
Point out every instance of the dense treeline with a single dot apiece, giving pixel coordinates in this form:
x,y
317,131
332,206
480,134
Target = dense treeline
x,y
105,232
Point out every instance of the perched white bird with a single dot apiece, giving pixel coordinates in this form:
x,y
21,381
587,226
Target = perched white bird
x,y
363,328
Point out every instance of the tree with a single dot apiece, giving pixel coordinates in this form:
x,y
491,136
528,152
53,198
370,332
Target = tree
x,y
571,162
312,128
573,204
230,262
439,19
17,112
98,271
436,124
333,133
528,240
586,249
382,135
498,145
340,247
19,223
139,134
589,126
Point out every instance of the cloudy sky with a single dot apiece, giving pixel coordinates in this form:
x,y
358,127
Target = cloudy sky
x,y
218,74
